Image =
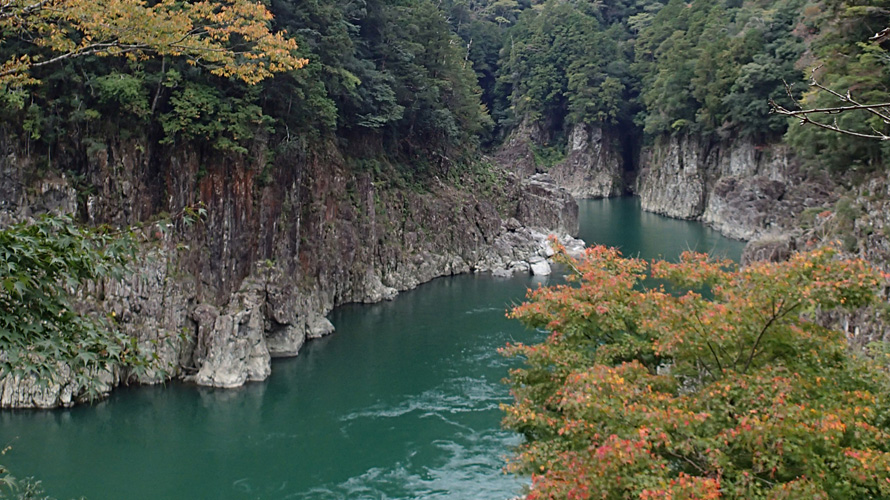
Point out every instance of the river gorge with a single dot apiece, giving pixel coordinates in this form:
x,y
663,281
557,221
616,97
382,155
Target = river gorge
x,y
401,402
284,273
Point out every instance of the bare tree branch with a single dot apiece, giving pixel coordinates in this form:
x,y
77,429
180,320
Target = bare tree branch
x,y
806,115
96,48
7,9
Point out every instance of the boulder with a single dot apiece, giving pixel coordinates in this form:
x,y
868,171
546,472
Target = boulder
x,y
540,267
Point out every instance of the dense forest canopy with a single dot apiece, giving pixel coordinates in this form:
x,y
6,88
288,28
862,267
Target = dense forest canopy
x,y
679,67
382,76
228,38
421,84
841,58
417,88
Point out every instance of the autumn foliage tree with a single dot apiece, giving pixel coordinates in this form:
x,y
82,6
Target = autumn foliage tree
x,y
727,390
231,38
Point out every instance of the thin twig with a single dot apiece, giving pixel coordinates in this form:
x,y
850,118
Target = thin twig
x,y
803,114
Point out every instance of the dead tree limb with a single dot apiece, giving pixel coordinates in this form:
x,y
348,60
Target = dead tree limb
x,y
848,104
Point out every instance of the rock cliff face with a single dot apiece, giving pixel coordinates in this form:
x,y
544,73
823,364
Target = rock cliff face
x,y
870,215
283,242
856,221
742,189
593,167
517,153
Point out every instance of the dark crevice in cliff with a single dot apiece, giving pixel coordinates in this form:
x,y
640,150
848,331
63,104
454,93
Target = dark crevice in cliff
x,y
630,140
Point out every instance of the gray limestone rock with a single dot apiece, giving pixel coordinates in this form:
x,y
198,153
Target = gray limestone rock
x,y
319,326
739,188
539,266
544,204
672,181
520,266
255,278
63,390
574,247
769,248
233,342
28,392
517,152
593,167
547,249
285,340
377,291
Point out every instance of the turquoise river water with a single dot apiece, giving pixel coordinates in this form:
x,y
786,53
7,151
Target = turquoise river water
x,y
400,403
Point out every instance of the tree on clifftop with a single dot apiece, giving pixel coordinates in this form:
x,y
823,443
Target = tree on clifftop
x,y
229,37
728,390
845,113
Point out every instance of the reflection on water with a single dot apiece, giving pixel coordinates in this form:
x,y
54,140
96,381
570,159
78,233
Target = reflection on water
x,y
620,223
400,403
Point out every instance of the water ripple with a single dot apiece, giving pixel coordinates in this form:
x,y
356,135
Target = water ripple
x,y
470,472
456,395
483,310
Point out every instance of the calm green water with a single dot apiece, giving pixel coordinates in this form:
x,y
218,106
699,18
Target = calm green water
x,y
401,402
621,223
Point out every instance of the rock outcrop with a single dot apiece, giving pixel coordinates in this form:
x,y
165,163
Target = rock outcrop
x,y
740,188
540,206
231,343
517,152
743,189
282,243
65,389
540,266
593,167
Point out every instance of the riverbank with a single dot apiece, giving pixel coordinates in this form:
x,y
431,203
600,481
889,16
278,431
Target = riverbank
x,y
760,193
215,312
401,402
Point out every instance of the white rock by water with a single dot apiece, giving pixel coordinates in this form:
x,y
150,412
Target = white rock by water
x,y
541,268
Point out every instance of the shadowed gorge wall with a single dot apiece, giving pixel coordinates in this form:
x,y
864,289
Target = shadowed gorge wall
x,y
216,298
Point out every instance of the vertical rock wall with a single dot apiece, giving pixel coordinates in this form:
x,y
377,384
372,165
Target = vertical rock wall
x,y
594,165
742,189
282,243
